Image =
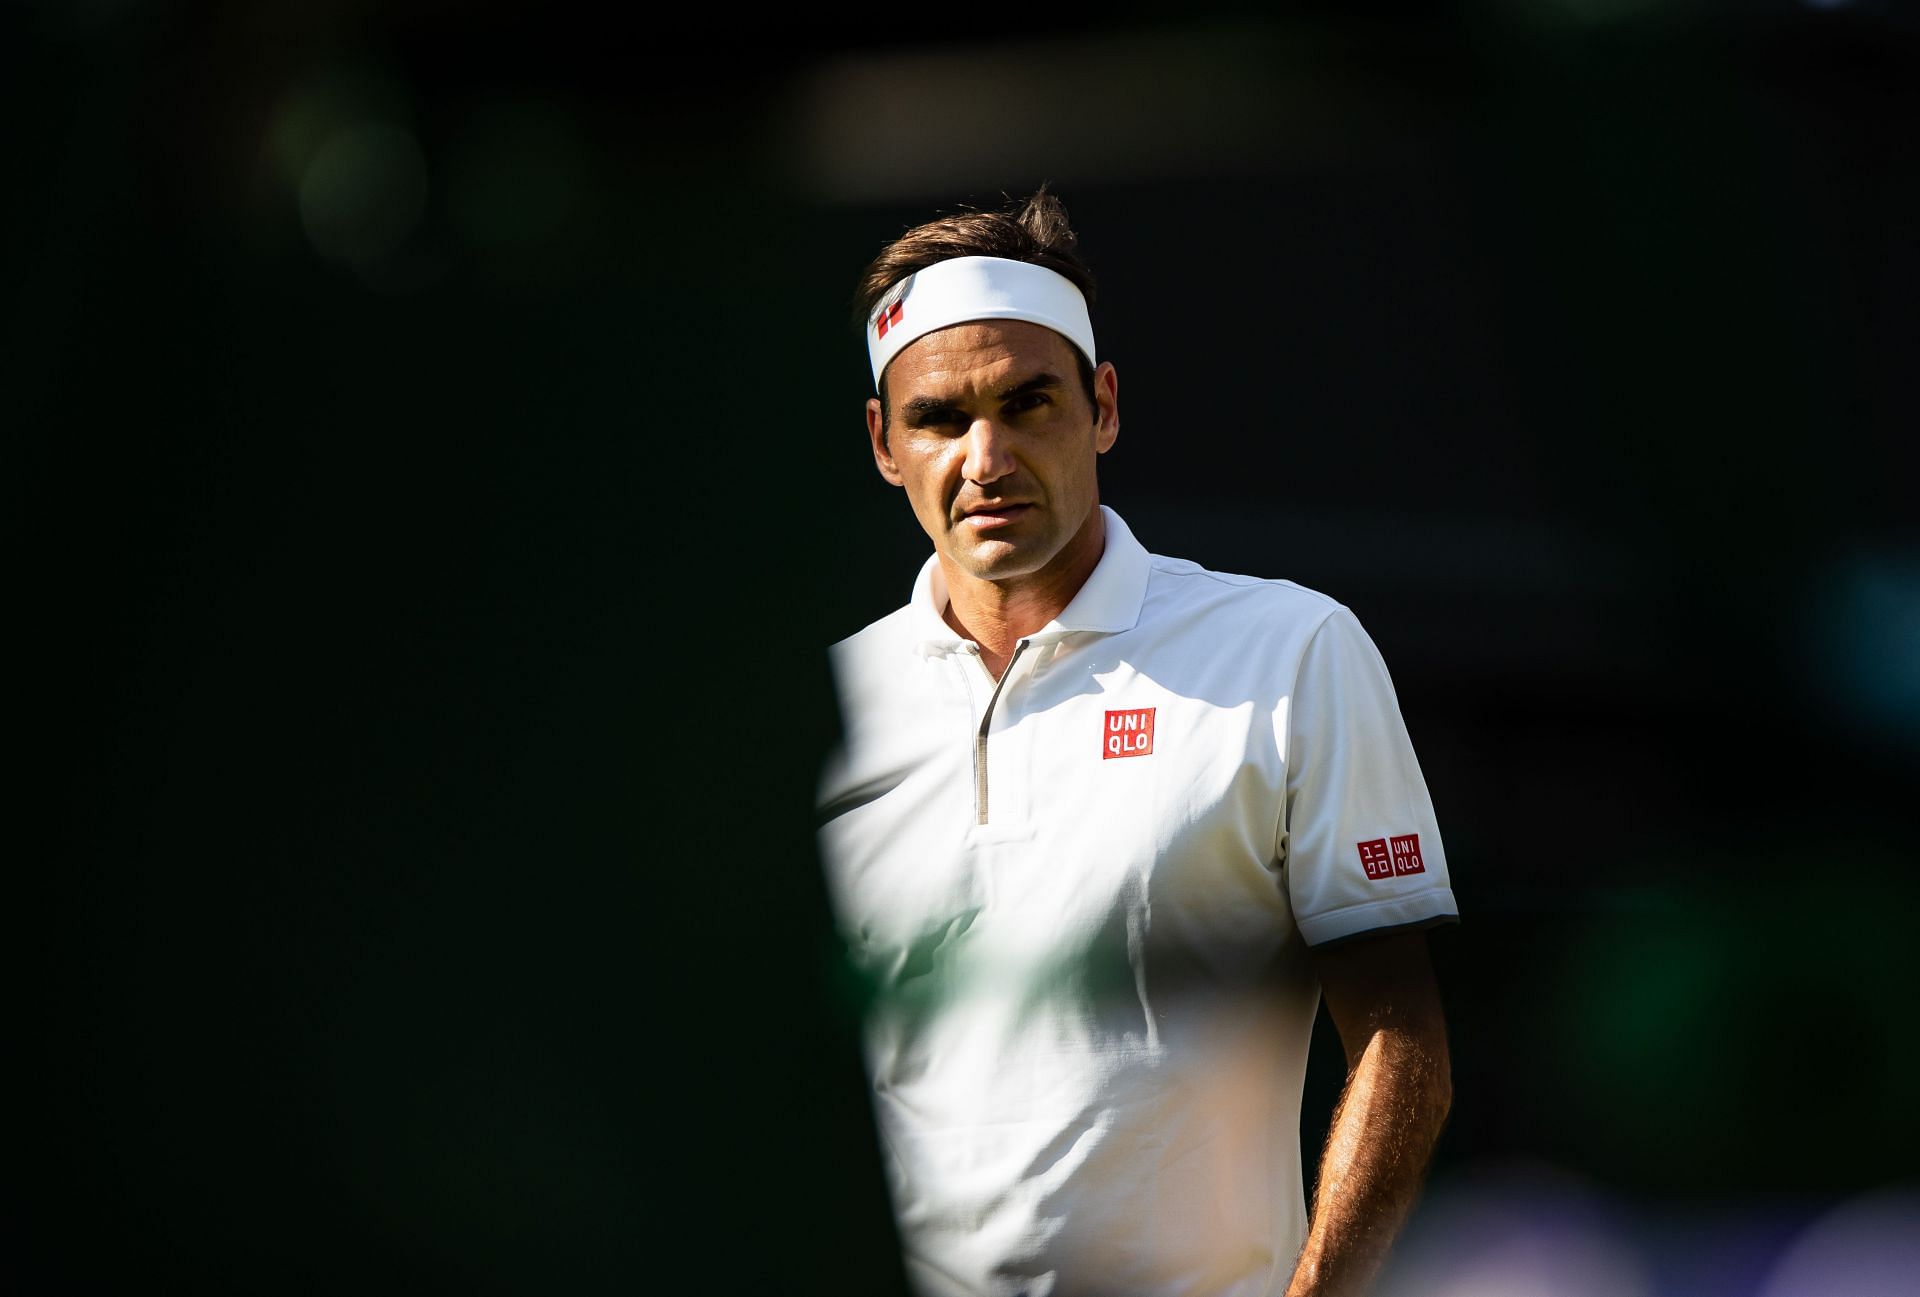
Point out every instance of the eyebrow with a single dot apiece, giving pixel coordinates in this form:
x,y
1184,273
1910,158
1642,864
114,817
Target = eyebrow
x,y
1038,383
920,408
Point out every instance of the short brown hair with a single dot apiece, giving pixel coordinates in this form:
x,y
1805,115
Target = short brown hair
x,y
1031,229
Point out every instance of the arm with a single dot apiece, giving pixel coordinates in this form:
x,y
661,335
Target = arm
x,y
1381,994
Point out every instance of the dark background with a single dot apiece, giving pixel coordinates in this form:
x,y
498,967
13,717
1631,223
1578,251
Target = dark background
x,y
439,465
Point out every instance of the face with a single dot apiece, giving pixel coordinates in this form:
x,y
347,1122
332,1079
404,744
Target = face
x,y
994,441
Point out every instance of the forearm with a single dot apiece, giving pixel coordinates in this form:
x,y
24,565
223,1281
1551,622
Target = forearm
x,y
1383,1132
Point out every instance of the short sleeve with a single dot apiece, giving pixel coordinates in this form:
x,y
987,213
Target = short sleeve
x,y
1359,844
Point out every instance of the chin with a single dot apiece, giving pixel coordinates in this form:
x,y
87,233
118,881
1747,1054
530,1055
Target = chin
x,y
1001,562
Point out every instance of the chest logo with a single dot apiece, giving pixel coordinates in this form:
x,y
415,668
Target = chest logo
x,y
1127,734
1392,857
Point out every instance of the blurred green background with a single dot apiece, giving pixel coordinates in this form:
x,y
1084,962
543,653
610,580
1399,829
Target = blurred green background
x,y
439,467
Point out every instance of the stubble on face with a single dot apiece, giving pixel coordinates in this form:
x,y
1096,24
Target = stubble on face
x,y
995,442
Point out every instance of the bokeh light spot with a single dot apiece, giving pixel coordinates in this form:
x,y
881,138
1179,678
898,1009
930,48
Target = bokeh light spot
x,y
1866,633
1519,1231
1869,1247
363,193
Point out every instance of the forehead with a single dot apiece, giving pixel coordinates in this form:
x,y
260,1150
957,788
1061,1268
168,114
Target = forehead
x,y
975,356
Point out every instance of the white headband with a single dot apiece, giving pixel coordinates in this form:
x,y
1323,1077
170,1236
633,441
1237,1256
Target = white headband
x,y
975,288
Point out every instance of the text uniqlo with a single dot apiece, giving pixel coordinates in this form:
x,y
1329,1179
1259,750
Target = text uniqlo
x,y
1392,857
1127,734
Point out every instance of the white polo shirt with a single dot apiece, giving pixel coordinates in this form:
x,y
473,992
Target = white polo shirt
x,y
1084,893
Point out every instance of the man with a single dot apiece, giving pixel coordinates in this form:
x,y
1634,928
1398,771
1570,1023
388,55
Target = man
x,y
1104,827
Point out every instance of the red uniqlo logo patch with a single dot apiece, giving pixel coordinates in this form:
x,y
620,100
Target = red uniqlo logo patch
x,y
1127,734
1388,857
888,318
1375,860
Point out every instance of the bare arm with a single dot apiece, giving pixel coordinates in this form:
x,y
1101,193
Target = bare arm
x,y
1381,994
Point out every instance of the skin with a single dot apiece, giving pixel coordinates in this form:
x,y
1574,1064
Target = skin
x,y
995,444
1382,996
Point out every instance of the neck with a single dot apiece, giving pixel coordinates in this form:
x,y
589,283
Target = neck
x,y
997,615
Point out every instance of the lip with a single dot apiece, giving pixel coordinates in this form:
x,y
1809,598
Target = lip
x,y
998,515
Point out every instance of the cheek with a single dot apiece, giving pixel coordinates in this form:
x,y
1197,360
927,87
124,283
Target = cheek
x,y
926,477
1074,468
934,465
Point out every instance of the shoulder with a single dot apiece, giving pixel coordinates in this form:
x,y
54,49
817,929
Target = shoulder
x,y
878,634
1180,588
877,641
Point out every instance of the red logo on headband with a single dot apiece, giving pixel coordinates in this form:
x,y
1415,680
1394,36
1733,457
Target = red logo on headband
x,y
889,317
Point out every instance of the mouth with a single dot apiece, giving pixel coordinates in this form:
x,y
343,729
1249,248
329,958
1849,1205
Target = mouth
x,y
986,517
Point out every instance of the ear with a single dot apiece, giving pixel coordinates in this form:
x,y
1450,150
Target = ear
x,y
1106,397
877,436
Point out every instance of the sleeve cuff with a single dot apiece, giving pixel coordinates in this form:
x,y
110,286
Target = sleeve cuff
x,y
1422,909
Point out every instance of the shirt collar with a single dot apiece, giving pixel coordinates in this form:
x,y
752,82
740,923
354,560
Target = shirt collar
x,y
1109,601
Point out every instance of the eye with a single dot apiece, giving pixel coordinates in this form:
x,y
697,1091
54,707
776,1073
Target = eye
x,y
1028,401
939,419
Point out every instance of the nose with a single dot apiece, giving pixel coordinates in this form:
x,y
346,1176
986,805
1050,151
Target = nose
x,y
989,453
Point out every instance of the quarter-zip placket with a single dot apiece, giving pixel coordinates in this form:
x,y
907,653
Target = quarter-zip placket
x,y
980,737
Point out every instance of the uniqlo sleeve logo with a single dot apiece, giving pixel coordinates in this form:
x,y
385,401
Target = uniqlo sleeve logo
x,y
1375,860
1392,857
1127,734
